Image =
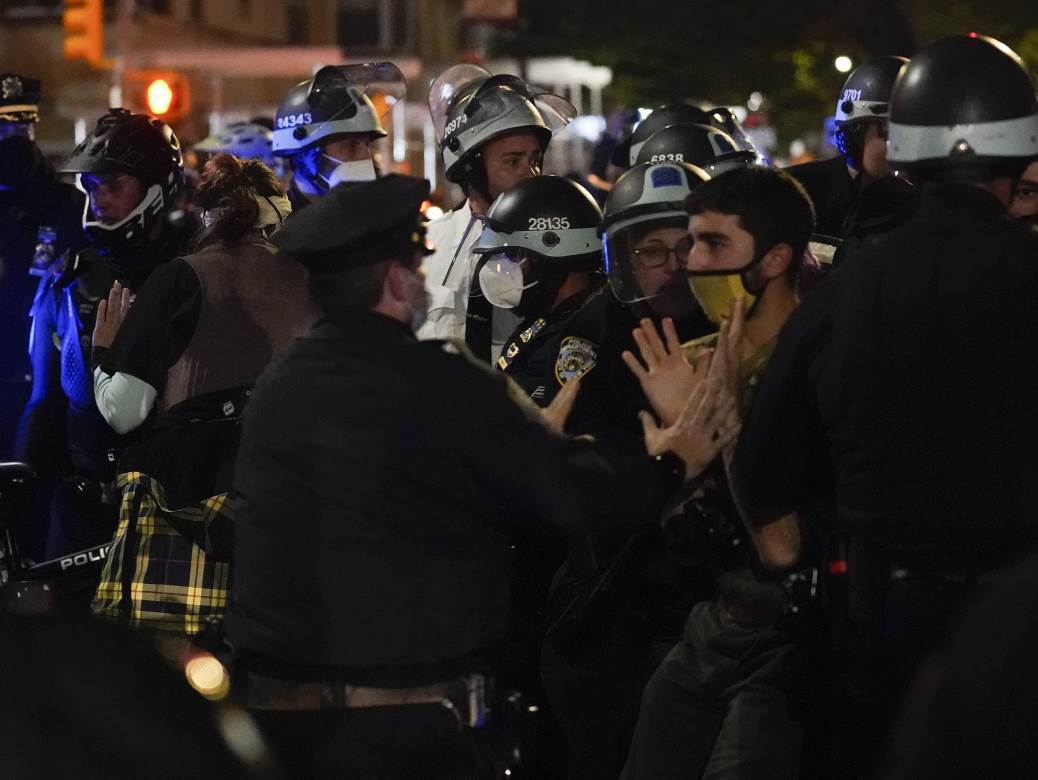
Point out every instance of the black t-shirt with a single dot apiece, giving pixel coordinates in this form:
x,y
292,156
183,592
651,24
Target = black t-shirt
x,y
159,326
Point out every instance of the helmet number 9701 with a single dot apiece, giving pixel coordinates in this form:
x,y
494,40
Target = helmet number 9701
x,y
294,120
548,223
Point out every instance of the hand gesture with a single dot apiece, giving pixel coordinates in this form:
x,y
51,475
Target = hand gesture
x,y
724,362
705,426
667,378
557,412
110,315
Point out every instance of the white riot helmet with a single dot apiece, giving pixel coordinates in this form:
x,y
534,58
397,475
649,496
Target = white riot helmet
x,y
337,102
471,107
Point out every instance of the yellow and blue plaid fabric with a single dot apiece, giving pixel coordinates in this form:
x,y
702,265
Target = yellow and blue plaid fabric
x,y
155,576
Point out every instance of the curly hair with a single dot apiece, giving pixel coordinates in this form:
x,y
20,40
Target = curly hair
x,y
228,190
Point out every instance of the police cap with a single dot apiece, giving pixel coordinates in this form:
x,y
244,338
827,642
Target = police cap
x,y
358,223
19,98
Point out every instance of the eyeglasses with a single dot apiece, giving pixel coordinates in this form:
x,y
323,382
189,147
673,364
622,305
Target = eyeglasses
x,y
655,255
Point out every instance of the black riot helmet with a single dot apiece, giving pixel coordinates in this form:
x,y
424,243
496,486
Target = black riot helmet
x,y
964,105
144,147
704,147
864,99
470,107
336,103
533,236
645,273
626,153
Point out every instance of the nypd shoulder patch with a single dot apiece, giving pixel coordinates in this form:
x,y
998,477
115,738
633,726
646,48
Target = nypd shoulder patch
x,y
576,357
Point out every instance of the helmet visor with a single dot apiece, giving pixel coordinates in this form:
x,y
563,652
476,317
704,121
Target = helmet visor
x,y
645,263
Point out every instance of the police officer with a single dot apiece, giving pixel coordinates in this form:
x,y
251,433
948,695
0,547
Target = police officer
x,y
627,153
130,169
326,127
705,147
493,132
540,249
595,690
933,471
39,222
360,628
861,130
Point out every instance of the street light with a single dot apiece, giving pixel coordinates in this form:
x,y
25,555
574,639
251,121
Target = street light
x,y
843,63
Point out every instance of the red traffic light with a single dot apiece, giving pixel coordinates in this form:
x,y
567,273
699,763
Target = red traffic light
x,y
159,97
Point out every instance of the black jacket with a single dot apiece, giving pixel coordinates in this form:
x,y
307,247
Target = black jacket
x,y
831,189
378,480
935,370
902,390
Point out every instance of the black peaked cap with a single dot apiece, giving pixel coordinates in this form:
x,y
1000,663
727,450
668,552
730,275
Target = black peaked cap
x,y
356,223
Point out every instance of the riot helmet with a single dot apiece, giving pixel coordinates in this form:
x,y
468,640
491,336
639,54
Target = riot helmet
x,y
339,102
470,107
245,140
725,120
646,239
964,105
864,100
141,146
533,236
626,153
705,147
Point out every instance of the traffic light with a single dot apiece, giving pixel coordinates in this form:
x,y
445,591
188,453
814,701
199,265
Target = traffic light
x,y
83,22
164,95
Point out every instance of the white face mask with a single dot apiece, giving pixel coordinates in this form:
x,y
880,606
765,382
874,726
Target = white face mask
x,y
355,170
501,280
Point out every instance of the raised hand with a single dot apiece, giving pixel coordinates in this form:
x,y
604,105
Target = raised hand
x,y
557,412
705,426
667,377
110,315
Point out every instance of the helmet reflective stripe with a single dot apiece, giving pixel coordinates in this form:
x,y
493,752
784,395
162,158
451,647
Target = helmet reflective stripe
x,y
1012,138
862,109
566,243
649,216
290,139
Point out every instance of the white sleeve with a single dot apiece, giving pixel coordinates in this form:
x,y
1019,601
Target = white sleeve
x,y
123,400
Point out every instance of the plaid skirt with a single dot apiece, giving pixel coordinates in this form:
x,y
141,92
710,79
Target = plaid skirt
x,y
157,575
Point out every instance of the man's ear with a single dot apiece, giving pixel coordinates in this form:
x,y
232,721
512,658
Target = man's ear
x,y
776,261
395,283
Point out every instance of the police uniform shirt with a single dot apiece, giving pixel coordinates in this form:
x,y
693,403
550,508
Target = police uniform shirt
x,y
449,278
530,353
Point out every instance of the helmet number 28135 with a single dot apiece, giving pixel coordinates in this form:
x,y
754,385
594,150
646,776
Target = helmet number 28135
x,y
548,223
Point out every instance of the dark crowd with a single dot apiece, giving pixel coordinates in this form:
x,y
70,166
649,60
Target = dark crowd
x,y
711,469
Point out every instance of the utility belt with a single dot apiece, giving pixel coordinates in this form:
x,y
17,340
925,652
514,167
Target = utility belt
x,y
504,717
860,572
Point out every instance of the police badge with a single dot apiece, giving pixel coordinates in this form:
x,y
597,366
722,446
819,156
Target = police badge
x,y
11,87
576,357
